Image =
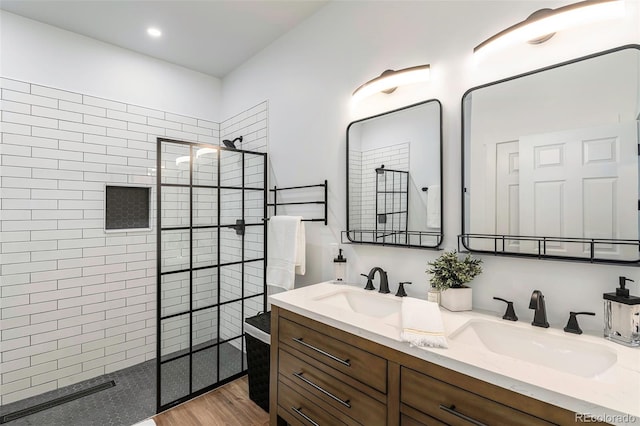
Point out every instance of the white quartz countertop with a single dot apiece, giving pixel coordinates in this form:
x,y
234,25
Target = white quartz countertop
x,y
612,396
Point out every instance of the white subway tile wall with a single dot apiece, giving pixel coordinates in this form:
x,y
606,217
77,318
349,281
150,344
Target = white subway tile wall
x,y
78,302
252,126
355,190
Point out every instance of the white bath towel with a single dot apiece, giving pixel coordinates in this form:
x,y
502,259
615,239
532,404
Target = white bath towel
x,y
422,323
433,207
285,250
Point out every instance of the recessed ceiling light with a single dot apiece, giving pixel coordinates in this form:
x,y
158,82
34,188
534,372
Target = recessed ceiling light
x,y
154,32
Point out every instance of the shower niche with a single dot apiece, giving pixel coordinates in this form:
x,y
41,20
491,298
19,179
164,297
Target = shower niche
x,y
210,264
127,208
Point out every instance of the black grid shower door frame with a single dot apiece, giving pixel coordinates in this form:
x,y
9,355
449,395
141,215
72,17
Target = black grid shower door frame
x,y
240,228
393,213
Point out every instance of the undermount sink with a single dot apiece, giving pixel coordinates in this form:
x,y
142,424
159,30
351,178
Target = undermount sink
x,y
563,353
364,303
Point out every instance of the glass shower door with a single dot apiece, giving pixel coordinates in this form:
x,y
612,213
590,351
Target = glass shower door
x,y
210,264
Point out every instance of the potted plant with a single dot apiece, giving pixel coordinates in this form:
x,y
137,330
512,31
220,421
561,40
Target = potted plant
x,y
449,274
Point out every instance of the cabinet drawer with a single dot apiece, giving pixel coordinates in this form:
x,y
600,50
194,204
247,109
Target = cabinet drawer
x,y
350,360
457,406
336,394
295,407
412,417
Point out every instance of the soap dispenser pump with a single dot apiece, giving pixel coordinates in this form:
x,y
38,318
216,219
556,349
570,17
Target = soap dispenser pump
x,y
340,267
622,315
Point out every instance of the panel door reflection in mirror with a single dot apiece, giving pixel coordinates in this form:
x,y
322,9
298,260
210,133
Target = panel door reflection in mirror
x,y
551,161
394,177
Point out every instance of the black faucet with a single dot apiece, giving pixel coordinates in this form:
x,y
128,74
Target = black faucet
x,y
510,313
537,303
384,283
401,292
369,285
572,324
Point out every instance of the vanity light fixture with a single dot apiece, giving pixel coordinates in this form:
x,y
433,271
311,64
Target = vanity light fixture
x,y
390,80
154,32
541,25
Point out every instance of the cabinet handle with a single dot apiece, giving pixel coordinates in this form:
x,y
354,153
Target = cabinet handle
x,y
327,354
452,410
304,416
329,394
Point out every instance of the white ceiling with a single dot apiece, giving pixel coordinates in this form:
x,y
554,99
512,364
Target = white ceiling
x,y
210,36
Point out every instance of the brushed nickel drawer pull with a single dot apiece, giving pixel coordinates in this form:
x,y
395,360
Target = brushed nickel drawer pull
x,y
329,394
304,416
327,354
452,410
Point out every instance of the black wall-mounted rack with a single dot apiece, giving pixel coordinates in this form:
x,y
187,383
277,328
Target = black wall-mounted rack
x,y
414,239
541,249
322,202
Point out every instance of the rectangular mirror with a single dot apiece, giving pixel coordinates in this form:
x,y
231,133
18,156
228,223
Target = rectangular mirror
x,y
394,177
550,161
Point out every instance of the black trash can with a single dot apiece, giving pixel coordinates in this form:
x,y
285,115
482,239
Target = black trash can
x,y
258,337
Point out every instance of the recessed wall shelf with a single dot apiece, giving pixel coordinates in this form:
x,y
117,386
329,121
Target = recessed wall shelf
x,y
127,208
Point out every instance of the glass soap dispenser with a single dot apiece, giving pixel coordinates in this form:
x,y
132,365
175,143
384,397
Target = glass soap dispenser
x,y
340,267
622,316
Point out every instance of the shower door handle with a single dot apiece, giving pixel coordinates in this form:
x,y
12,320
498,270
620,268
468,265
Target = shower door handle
x,y
239,227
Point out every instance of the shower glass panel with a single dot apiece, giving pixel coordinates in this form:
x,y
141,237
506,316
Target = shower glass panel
x,y
210,264
392,200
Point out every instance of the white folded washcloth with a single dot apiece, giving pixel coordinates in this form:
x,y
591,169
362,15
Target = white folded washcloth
x,y
422,323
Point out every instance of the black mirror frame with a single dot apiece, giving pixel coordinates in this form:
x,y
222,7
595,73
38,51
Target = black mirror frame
x,y
440,236
464,237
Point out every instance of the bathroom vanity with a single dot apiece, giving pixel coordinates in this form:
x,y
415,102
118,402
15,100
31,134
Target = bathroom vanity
x,y
336,358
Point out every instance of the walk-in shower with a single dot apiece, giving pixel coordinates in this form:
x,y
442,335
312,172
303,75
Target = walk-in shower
x,y
210,264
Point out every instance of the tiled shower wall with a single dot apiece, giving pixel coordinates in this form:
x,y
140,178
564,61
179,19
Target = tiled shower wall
x,y
252,125
76,302
355,189
364,180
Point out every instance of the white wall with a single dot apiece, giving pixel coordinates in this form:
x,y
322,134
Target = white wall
x,y
49,56
309,74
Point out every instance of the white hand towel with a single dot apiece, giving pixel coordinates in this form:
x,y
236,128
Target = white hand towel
x,y
285,250
301,253
422,323
433,207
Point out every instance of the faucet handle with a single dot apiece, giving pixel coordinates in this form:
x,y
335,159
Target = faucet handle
x,y
401,292
510,314
369,285
572,324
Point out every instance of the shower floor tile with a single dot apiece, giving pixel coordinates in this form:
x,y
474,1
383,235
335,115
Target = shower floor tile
x,y
133,399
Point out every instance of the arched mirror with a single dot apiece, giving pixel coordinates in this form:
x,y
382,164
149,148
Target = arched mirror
x,y
394,177
550,161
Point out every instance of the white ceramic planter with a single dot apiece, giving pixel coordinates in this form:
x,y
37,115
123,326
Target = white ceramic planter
x,y
456,299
